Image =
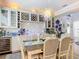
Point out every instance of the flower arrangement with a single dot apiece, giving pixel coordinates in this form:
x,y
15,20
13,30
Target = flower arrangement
x,y
58,27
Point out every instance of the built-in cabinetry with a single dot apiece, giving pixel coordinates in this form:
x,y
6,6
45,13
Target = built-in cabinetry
x,y
24,16
5,45
50,25
15,45
13,19
8,18
30,17
4,17
49,22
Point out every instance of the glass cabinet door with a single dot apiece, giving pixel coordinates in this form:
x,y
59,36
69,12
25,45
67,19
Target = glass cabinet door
x,y
24,16
34,17
4,18
49,23
13,19
41,18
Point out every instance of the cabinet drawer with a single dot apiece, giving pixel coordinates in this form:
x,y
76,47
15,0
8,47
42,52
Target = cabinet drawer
x,y
5,45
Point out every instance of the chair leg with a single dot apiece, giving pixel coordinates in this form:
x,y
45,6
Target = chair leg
x,y
40,56
72,53
66,56
59,57
29,55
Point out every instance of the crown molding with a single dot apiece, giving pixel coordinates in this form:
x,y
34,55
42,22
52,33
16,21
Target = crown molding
x,y
71,8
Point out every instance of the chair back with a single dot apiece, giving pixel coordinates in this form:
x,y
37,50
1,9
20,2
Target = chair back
x,y
50,48
64,44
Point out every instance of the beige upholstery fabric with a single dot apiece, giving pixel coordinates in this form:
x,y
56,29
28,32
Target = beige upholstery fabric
x,y
50,48
65,44
64,47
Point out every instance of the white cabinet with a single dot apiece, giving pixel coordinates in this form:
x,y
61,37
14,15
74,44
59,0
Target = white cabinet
x,y
15,44
48,23
8,18
24,16
4,22
13,19
31,17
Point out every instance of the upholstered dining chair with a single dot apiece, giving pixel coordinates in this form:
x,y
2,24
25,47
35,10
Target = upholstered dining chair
x,y
64,47
50,49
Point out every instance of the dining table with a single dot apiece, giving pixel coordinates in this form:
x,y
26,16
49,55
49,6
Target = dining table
x,y
33,47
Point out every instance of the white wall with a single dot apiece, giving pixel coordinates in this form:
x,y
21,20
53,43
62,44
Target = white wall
x,y
75,17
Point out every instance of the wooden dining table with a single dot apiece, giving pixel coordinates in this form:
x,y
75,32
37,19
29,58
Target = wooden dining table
x,y
34,48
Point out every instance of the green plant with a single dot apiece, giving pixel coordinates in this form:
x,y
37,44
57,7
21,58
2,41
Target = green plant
x,y
50,31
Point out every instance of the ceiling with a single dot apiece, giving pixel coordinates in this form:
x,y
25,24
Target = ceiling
x,y
51,4
39,5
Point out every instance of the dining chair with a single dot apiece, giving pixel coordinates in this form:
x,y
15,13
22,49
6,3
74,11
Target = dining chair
x,y
64,47
50,49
